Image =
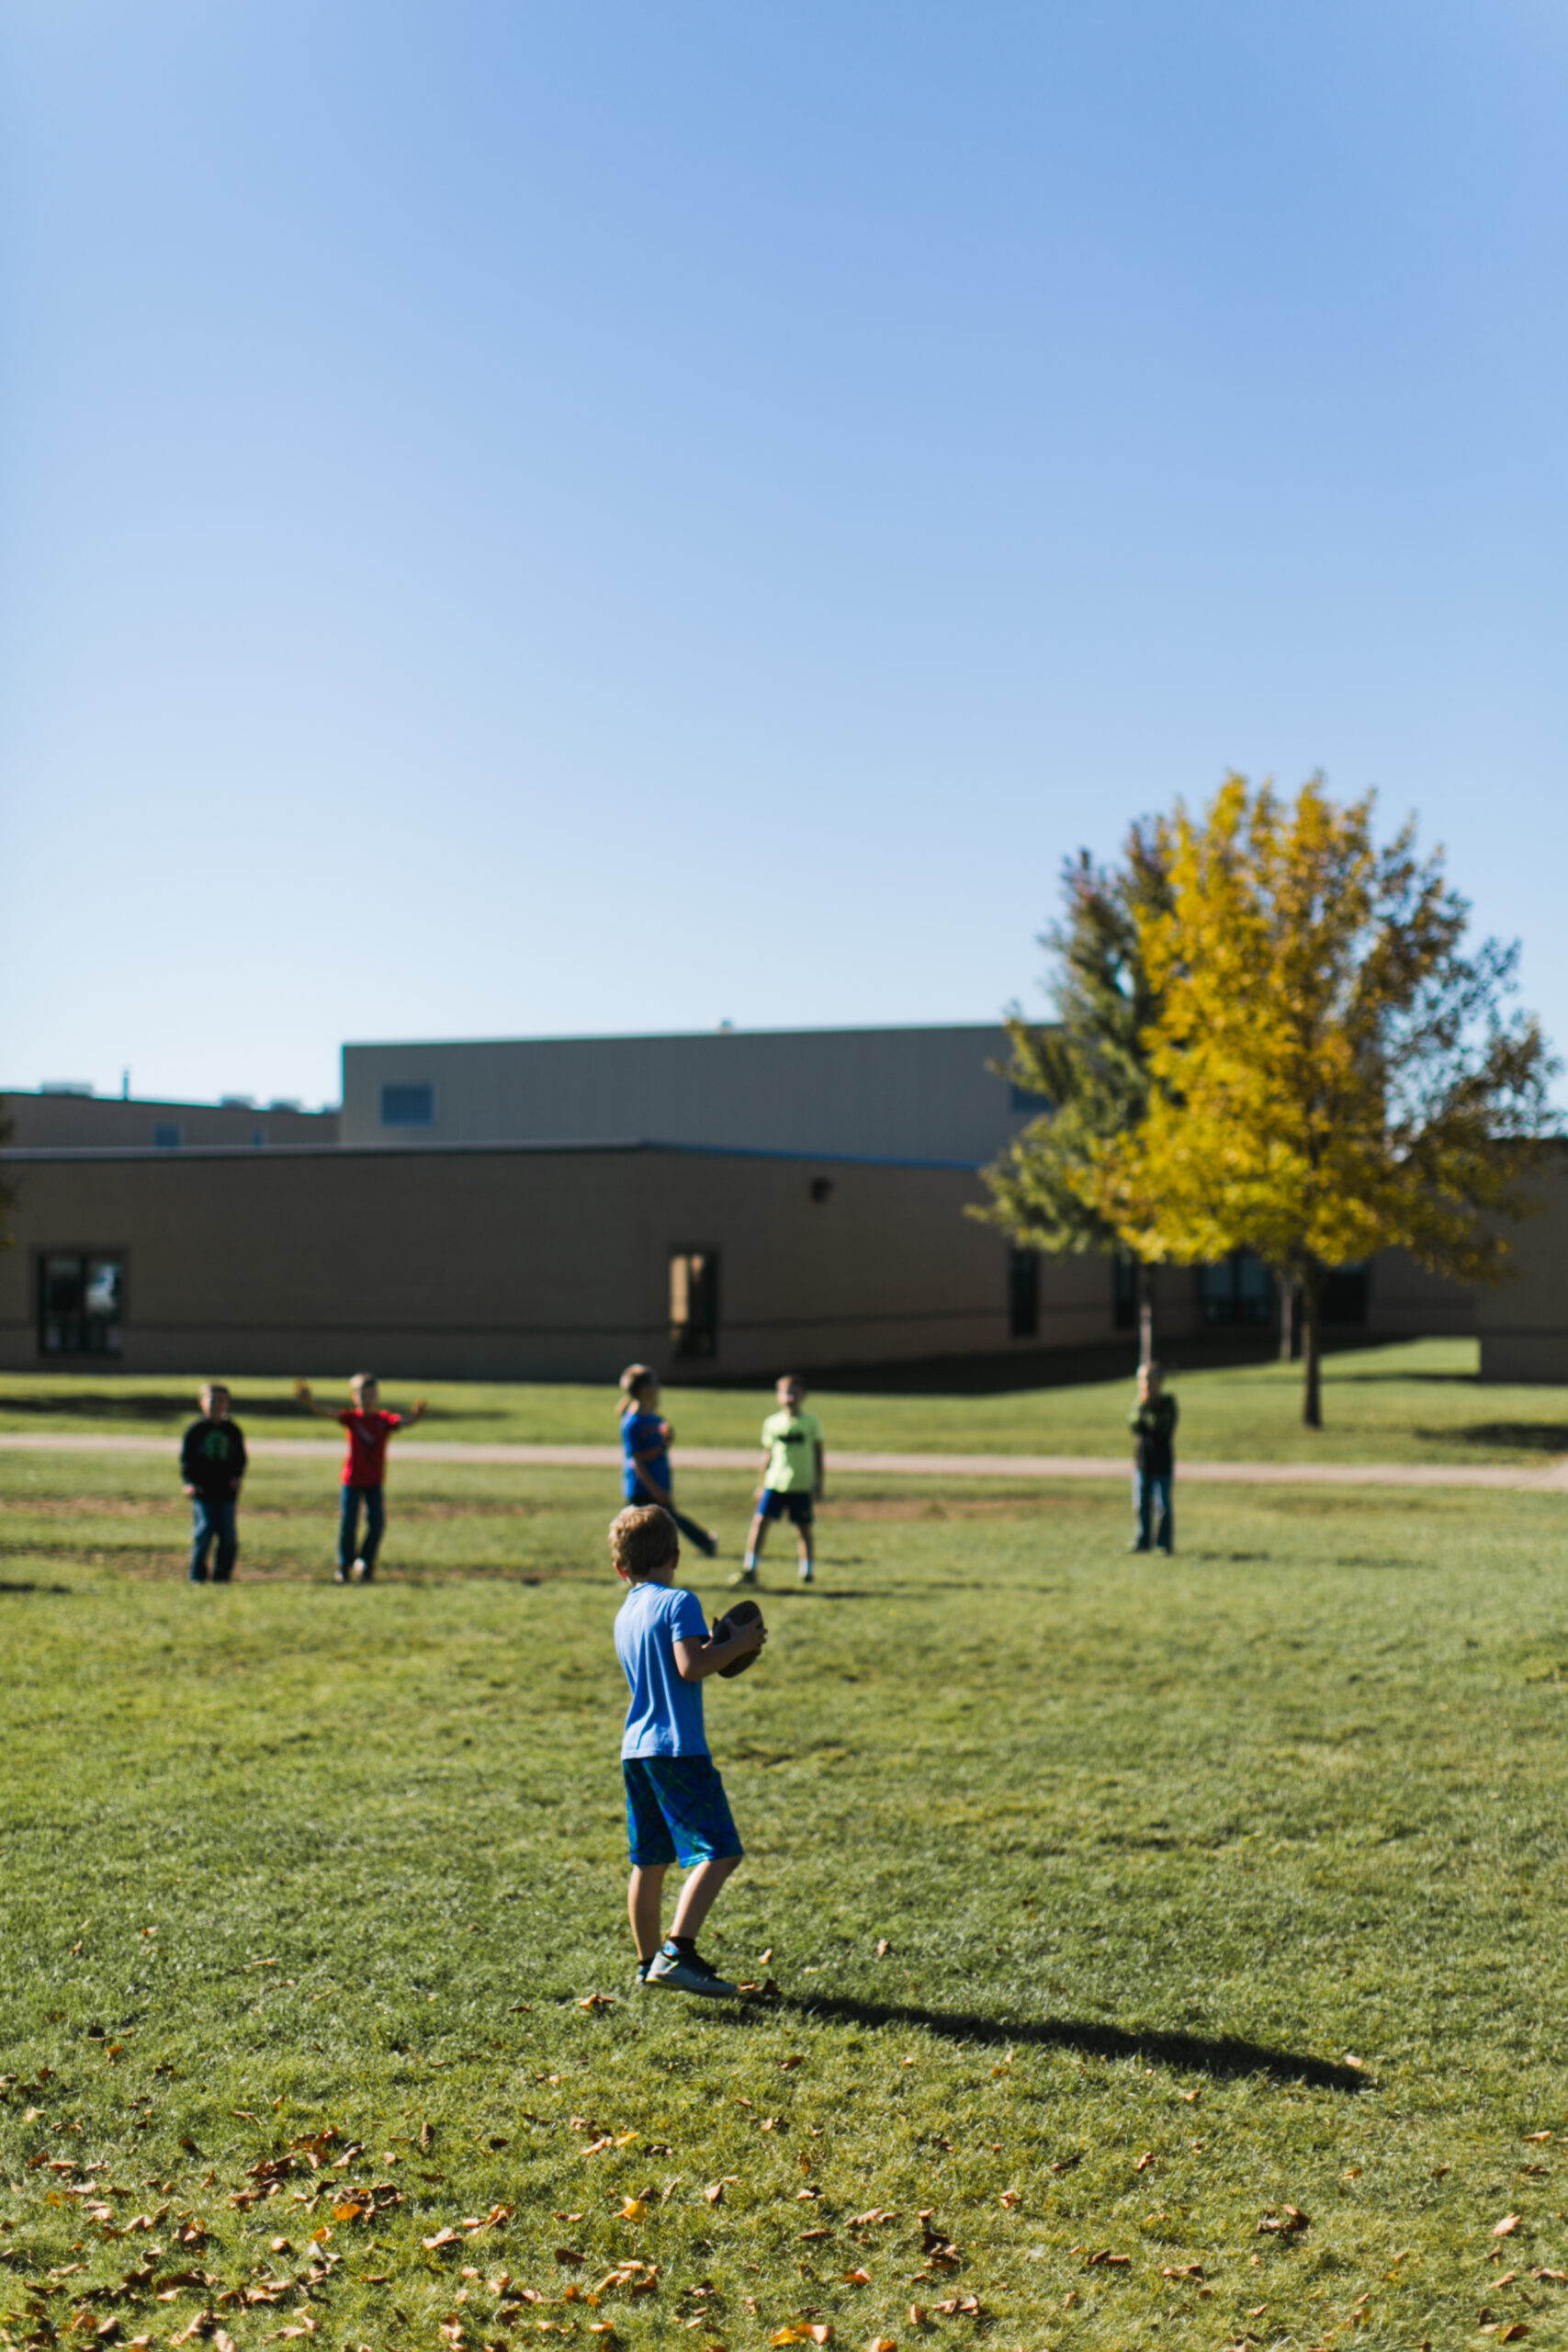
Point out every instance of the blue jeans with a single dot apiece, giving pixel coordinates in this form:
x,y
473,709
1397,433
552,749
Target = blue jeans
x,y
212,1521
349,1548
1152,1509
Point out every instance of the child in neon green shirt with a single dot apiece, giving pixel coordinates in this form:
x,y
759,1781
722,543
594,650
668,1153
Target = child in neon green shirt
x,y
794,1469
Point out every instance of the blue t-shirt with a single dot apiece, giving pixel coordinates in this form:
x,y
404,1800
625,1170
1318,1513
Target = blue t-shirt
x,y
643,1433
665,1717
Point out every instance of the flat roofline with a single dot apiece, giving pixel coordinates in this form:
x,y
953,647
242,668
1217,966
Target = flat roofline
x,y
679,1036
32,1155
158,1103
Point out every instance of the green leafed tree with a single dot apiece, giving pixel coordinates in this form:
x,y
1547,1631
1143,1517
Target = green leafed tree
x,y
1088,1067
1332,1070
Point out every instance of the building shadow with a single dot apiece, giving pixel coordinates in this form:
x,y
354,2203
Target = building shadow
x,y
1223,2058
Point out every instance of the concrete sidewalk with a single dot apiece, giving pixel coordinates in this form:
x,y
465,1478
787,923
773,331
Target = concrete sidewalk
x,y
1029,1468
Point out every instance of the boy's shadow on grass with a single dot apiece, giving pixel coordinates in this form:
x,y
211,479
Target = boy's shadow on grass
x,y
37,1587
1196,2053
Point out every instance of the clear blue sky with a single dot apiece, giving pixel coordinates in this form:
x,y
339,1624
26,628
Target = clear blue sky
x,y
536,516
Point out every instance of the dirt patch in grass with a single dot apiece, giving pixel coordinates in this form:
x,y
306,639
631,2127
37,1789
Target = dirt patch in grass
x,y
920,1507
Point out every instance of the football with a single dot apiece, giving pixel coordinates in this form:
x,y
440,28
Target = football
x,y
738,1613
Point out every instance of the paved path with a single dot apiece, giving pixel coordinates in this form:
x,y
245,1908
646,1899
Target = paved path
x,y
1552,1478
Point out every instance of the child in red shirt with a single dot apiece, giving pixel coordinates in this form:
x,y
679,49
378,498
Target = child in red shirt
x,y
364,1470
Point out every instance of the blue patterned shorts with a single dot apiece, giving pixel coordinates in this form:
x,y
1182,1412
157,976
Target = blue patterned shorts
x,y
677,1811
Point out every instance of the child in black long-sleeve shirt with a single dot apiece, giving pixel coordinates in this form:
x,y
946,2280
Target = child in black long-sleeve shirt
x,y
212,1463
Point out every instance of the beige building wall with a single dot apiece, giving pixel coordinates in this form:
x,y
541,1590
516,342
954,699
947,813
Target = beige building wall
x,y
522,1264
1524,1323
107,1123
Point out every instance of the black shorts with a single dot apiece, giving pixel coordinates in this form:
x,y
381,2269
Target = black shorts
x,y
774,1504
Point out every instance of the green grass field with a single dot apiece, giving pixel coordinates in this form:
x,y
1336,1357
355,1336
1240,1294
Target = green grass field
x,y
1117,1909
1418,1402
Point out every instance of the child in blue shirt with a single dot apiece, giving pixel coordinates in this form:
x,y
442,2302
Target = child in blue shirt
x,y
676,1808
644,1442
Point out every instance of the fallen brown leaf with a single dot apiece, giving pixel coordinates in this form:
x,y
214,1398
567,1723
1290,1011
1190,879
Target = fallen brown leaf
x,y
788,2065
1507,2226
882,1947
1182,2270
1534,2139
1009,2197
1144,2160
446,2236
857,2278
917,2314
1106,2260
821,2332
569,2259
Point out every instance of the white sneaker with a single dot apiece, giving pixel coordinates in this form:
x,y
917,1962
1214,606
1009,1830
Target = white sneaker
x,y
808,1573
689,1973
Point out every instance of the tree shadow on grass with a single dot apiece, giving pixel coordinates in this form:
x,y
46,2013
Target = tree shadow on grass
x,y
1532,1437
1195,2054
36,1587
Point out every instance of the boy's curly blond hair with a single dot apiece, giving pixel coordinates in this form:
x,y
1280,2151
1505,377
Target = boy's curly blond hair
x,y
642,1539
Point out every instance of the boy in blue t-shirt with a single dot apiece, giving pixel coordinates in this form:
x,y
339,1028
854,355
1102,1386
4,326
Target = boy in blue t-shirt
x,y
645,1445
676,1808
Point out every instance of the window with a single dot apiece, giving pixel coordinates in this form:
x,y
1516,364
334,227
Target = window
x,y
1239,1290
1345,1293
1123,1292
166,1137
408,1106
693,1302
80,1303
1023,1292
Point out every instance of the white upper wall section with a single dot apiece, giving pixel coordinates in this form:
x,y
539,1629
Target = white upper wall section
x,y
921,1095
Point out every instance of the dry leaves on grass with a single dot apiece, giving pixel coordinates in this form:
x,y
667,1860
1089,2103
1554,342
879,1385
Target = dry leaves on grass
x,y
1193,2270
1106,2260
1283,2222
1507,2226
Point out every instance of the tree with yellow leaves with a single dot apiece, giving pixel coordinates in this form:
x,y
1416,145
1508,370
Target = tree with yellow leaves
x,y
1332,1072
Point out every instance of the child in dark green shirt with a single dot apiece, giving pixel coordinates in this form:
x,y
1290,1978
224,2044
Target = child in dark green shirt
x,y
1153,1423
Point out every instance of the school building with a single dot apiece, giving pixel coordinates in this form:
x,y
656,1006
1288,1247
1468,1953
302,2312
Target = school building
x,y
719,1206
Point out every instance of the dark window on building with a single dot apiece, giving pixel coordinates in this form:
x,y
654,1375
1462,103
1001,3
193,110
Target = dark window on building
x,y
80,1303
693,1302
1023,1292
408,1106
1024,1098
1345,1293
1124,1293
1239,1290
167,1138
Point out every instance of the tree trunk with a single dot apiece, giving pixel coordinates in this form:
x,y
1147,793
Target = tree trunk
x,y
1287,1319
1311,1381
1146,1315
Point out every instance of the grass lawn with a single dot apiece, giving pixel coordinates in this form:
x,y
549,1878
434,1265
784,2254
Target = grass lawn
x,y
1118,1907
1418,1402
